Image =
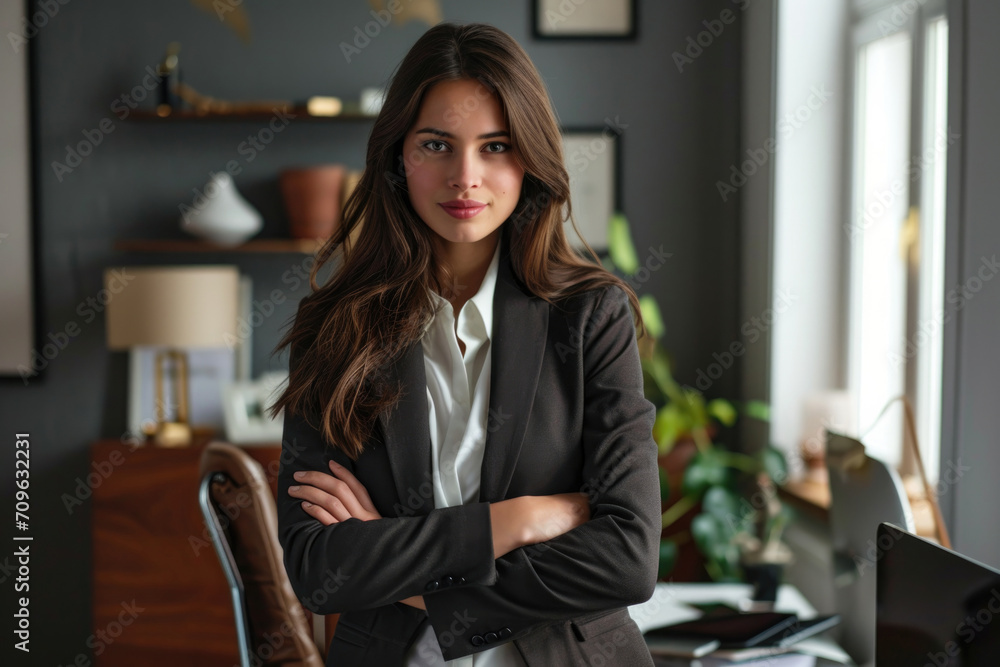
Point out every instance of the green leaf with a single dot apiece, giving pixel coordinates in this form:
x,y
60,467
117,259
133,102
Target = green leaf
x,y
722,410
705,469
670,423
730,577
710,536
664,484
721,503
668,557
757,410
775,464
620,246
651,315
704,530
695,403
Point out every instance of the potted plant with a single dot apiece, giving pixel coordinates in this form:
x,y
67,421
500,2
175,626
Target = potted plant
x,y
720,502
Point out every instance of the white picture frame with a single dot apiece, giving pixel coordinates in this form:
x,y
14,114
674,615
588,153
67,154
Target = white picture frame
x,y
591,158
595,19
209,371
246,406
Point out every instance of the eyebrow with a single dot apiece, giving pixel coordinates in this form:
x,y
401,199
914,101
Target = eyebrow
x,y
442,133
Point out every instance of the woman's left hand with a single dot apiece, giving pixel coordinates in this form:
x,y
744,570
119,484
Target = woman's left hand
x,y
333,498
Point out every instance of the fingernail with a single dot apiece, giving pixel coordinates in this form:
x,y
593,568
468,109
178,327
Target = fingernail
x,y
306,504
293,488
334,465
299,475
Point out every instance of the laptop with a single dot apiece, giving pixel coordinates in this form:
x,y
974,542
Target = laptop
x,y
933,606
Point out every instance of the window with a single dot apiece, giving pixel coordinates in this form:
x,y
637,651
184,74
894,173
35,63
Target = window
x,y
896,225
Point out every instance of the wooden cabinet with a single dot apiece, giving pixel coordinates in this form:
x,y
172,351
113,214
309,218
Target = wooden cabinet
x,y
159,593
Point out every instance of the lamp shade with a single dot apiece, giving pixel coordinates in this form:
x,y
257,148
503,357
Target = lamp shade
x,y
176,306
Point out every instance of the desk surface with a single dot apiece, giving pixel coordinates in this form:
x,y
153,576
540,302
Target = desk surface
x,y
669,604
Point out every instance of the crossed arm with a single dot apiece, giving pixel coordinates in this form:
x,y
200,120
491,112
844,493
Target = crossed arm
x,y
526,561
516,522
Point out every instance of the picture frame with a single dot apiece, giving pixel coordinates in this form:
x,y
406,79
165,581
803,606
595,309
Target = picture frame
x,y
22,353
244,348
593,157
246,405
592,20
209,371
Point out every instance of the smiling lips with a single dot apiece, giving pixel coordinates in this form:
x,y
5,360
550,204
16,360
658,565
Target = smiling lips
x,y
462,208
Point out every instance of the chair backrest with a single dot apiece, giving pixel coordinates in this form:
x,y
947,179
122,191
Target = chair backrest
x,y
239,508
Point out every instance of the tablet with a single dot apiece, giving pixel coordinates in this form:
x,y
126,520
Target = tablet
x,y
732,630
802,630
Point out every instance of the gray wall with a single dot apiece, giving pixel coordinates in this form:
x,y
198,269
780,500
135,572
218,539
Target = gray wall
x,y
682,137
971,421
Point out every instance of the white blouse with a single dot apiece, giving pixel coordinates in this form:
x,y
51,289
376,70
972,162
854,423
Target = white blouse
x,y
458,398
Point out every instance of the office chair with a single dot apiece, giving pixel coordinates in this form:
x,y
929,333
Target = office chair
x,y
239,509
864,492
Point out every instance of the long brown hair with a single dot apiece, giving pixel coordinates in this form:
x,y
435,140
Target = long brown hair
x,y
375,304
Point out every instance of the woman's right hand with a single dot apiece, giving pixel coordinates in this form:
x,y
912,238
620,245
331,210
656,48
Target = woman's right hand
x,y
525,520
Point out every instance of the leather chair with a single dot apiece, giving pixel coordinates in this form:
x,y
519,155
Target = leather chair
x,y
235,498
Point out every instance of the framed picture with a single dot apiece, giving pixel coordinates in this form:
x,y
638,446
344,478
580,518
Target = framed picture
x,y
592,159
244,348
209,371
594,19
246,406
19,330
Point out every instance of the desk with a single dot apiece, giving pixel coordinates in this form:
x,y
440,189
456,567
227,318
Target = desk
x,y
151,548
669,605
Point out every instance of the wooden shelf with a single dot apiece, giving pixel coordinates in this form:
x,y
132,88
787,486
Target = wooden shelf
x,y
298,113
303,246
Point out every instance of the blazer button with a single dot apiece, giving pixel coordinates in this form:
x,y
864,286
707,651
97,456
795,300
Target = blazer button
x,y
506,632
491,637
477,640
460,580
446,582
432,585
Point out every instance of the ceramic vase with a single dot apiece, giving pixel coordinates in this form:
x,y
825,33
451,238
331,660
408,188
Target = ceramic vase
x,y
220,213
313,200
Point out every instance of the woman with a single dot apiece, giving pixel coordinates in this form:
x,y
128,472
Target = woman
x,y
468,471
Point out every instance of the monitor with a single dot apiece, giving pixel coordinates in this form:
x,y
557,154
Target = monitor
x,y
934,607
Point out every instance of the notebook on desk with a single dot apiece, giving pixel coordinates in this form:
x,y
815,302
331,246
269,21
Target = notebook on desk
x,y
677,602
789,660
727,636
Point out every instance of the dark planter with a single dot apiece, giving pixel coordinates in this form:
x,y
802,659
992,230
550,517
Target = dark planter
x,y
690,565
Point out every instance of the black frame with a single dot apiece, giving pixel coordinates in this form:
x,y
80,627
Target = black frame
x,y
631,35
34,199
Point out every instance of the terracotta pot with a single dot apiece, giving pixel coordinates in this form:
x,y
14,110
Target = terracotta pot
x,y
690,564
313,200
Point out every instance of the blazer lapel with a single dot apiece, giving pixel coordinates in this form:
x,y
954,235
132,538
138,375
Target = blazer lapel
x,y
407,434
520,332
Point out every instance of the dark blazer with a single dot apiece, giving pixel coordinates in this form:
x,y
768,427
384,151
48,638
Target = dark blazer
x,y
566,413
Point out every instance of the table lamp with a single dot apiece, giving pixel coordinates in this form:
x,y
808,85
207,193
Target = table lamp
x,y
175,307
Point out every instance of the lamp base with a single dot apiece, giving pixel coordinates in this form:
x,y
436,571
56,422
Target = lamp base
x,y
172,434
